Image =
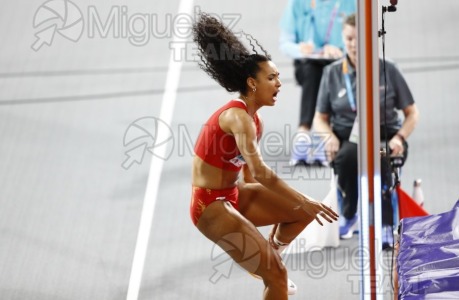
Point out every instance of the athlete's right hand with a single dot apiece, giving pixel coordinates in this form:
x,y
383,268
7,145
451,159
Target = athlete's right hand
x,y
316,209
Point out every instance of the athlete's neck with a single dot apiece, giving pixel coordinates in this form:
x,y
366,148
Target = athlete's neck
x,y
251,104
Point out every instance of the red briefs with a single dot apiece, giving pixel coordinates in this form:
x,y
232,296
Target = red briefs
x,y
203,197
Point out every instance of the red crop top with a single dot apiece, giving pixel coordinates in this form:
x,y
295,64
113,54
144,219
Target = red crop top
x,y
218,148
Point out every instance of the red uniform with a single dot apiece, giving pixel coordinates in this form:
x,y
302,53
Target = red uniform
x,y
219,149
202,197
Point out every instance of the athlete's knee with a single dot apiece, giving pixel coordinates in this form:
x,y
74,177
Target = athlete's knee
x,y
277,279
274,272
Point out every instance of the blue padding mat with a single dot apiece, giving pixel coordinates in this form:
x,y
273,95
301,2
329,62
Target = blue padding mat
x,y
428,258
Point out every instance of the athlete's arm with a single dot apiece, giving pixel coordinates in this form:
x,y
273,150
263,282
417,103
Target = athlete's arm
x,y
246,175
238,123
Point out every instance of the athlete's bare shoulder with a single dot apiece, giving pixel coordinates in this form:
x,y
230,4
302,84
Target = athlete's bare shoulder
x,y
236,119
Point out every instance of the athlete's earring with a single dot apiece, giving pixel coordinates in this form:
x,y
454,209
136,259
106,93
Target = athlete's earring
x,y
254,90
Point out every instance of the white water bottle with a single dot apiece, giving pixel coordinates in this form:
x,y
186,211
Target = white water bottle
x,y
418,195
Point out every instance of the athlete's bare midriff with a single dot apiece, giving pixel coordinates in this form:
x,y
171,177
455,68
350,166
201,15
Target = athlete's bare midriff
x,y
207,176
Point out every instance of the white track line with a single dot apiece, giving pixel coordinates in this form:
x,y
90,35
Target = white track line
x,y
156,166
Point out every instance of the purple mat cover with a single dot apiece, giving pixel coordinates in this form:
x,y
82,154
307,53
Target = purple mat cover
x,y
428,257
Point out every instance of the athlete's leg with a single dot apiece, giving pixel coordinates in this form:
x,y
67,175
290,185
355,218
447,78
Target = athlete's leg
x,y
226,227
263,207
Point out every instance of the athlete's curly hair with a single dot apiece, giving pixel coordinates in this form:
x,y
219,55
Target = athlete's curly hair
x,y
223,56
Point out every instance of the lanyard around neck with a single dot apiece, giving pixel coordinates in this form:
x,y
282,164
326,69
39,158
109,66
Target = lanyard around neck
x,y
347,80
333,14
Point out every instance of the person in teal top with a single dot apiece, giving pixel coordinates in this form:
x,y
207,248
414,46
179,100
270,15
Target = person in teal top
x,y
311,35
